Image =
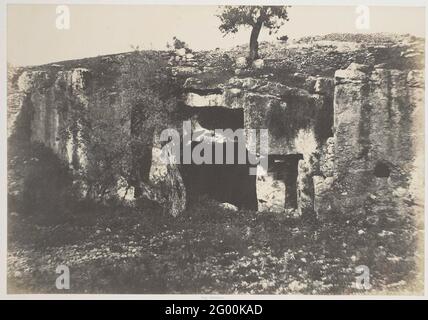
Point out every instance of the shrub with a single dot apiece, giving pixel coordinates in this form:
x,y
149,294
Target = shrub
x,y
283,38
178,44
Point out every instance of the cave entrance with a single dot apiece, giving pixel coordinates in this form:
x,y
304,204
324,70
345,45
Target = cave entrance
x,y
223,182
212,118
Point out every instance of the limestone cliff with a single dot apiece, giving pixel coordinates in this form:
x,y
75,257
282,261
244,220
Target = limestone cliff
x,y
344,118
378,135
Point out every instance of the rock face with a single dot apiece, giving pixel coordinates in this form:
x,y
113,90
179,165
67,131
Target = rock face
x,y
378,128
49,98
337,138
293,116
166,185
51,105
298,122
209,100
270,193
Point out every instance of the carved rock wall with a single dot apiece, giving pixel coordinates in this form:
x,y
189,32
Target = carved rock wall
x,y
372,147
378,134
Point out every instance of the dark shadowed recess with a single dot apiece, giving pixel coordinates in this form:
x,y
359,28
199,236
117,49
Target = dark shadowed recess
x,y
284,168
381,170
224,182
212,118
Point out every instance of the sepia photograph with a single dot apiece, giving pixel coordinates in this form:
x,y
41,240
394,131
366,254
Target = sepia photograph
x,y
215,149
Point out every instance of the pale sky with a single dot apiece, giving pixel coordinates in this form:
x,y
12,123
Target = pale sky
x,y
105,29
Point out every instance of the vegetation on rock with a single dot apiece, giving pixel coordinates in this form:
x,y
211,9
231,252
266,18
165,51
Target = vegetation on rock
x,y
256,17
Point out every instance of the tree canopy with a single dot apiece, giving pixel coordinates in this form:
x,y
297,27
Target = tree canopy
x,y
234,17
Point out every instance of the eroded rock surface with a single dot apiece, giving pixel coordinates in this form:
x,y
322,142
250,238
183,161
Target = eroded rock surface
x,y
349,108
377,132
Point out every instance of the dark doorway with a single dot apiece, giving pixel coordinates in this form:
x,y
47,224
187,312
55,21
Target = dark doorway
x,y
224,182
284,168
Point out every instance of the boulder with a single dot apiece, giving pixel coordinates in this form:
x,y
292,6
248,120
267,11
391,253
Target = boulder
x,y
228,206
355,72
166,186
258,64
241,62
185,71
270,194
209,100
180,52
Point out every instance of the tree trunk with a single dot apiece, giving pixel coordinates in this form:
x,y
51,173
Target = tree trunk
x,y
254,45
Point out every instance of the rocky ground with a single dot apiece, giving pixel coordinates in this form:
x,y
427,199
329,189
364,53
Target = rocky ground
x,y
210,250
317,55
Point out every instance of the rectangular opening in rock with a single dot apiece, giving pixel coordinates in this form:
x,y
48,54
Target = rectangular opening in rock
x,y
212,118
223,182
277,191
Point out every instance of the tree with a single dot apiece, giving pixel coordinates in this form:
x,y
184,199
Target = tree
x,y
271,17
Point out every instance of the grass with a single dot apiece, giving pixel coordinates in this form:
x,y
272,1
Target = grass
x,y
207,250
